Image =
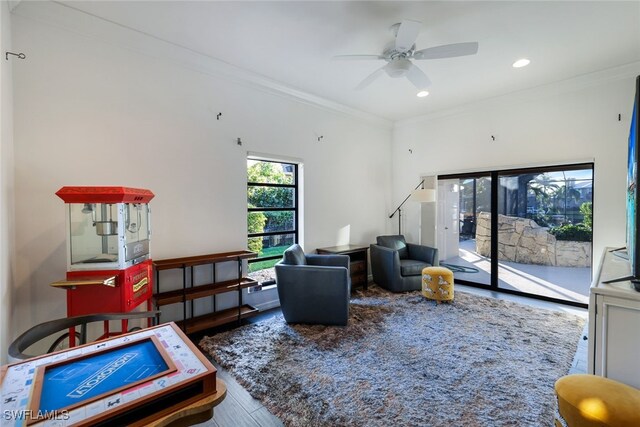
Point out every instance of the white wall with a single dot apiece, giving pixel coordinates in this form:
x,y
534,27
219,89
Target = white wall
x,y
6,183
93,113
561,123
113,108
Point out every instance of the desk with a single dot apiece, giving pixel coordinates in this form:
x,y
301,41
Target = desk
x,y
359,261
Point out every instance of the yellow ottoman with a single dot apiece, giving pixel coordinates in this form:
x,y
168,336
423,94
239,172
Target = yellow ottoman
x,y
590,401
437,283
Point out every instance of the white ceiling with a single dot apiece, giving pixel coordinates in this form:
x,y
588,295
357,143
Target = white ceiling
x,y
293,43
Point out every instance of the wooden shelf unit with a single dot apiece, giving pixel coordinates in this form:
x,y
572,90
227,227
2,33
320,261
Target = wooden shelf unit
x,y
218,318
191,292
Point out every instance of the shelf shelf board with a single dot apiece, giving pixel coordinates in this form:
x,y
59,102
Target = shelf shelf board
x,y
218,318
165,264
201,291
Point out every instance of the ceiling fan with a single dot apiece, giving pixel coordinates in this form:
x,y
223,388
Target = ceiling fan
x,y
400,52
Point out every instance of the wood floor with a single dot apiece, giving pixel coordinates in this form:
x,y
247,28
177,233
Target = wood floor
x,y
239,409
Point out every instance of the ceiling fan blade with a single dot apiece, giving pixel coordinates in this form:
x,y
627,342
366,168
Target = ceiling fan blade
x,y
419,79
370,78
447,51
407,34
358,57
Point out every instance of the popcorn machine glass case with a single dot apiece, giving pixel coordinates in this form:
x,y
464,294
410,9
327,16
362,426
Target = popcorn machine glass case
x,y
107,235
108,227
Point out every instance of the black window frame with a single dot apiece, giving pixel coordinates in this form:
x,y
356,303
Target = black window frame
x,y
294,209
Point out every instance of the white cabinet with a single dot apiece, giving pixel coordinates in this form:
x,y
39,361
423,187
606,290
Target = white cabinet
x,y
614,323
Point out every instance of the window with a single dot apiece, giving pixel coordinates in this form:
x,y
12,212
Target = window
x,y
272,214
522,231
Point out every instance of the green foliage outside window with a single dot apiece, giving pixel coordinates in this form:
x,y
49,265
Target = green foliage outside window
x,y
268,172
586,209
255,222
581,232
572,232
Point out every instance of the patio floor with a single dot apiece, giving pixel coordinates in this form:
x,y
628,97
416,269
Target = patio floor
x,y
567,283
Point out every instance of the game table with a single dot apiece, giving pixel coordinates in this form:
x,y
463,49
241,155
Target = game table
x,y
153,376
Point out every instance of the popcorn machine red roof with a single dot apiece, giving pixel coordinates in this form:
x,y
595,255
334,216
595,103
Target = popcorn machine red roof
x,y
108,261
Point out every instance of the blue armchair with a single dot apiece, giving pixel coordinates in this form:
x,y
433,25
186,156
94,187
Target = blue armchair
x,y
313,288
397,265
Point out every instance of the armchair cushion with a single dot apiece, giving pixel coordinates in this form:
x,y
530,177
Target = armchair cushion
x,y
294,255
423,253
412,267
395,242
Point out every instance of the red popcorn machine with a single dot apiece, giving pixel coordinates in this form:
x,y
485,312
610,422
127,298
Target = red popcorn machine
x,y
109,268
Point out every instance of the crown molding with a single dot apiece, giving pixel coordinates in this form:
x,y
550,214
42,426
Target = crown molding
x,y
573,84
66,17
13,4
502,168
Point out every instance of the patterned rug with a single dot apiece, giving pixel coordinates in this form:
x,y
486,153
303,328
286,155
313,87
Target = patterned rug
x,y
405,360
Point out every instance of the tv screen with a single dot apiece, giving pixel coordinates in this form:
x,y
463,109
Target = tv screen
x,y
633,220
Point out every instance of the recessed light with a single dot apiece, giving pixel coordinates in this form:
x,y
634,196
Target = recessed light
x,y
521,63
422,94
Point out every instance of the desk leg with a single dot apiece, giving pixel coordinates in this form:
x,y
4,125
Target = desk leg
x,y
149,308
366,271
72,337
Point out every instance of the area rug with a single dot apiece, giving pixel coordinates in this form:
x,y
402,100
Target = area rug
x,y
405,360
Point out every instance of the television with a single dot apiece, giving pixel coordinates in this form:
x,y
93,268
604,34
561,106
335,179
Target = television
x,y
633,207
633,218
633,201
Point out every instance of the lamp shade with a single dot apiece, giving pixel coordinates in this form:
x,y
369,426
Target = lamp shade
x,y
423,195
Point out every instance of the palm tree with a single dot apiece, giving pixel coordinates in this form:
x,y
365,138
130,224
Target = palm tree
x,y
565,194
543,187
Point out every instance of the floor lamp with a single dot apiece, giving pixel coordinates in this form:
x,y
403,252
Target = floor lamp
x,y
419,194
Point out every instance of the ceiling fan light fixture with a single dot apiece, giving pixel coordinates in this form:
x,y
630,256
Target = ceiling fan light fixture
x,y
422,94
398,67
521,63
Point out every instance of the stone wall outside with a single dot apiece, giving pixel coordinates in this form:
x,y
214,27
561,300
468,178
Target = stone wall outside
x,y
522,240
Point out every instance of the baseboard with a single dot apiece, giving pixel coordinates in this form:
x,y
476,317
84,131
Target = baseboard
x,y
267,305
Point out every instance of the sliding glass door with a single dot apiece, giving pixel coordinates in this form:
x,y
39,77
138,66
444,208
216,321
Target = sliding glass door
x,y
544,242
464,227
543,218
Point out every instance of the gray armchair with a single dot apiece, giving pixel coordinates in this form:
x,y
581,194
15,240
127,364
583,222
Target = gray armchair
x,y
313,288
397,265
